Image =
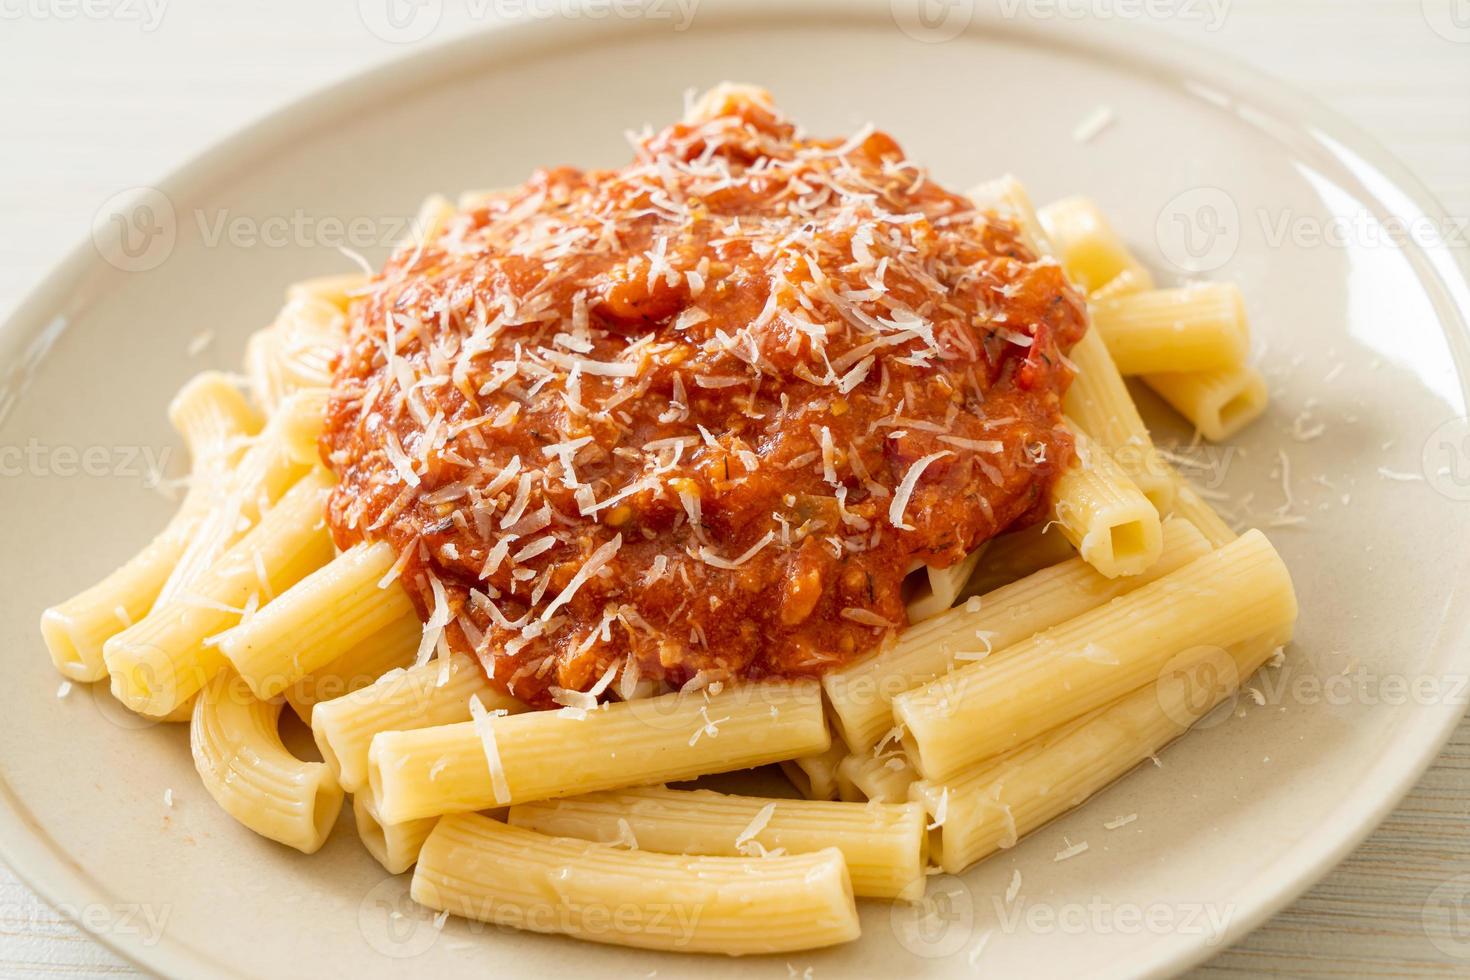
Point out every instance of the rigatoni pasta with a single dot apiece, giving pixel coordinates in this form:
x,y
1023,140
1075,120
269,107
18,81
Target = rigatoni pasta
x,y
1007,197
159,663
1189,505
246,768
755,452
1099,403
270,465
395,846
1194,328
424,696
882,777
483,869
1011,557
501,761
860,694
1098,507
213,417
984,709
991,807
393,648
296,352
1217,403
815,776
340,605
1092,253
943,587
884,846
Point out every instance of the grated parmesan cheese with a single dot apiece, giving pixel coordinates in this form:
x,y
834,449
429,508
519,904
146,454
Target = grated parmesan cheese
x,y
906,489
484,722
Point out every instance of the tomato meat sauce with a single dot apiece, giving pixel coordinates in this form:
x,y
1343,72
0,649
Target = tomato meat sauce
x,y
694,420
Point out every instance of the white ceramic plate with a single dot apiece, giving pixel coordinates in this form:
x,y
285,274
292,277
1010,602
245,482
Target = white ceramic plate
x,y
1206,167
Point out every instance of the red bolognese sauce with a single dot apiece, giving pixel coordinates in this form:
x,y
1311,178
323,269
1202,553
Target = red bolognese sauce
x,y
694,419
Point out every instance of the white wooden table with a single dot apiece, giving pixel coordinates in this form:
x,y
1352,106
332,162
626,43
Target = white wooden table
x,y
110,95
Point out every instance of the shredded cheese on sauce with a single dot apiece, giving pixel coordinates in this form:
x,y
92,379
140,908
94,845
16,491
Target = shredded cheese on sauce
x,y
906,489
698,383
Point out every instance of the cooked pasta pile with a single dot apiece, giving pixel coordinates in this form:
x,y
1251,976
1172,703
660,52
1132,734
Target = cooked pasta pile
x,y
762,451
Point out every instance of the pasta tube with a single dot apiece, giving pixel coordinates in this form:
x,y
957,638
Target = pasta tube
x,y
160,662
1007,197
943,587
995,805
327,613
1015,555
1102,512
1217,403
1195,328
1190,506
1099,402
271,465
433,215
987,708
1134,279
393,845
296,351
861,693
245,767
212,416
880,778
339,290
543,754
393,648
435,693
483,869
1088,248
815,776
884,846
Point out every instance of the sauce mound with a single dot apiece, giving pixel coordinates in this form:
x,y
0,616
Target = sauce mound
x,y
695,419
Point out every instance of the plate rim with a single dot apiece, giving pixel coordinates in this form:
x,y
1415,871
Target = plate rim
x,y
56,877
